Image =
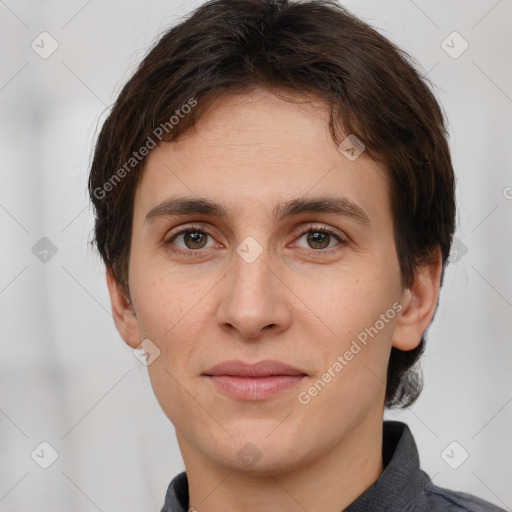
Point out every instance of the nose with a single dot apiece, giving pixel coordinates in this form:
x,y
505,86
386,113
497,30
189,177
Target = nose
x,y
255,300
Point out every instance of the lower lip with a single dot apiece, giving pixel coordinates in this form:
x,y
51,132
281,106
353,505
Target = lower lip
x,y
254,388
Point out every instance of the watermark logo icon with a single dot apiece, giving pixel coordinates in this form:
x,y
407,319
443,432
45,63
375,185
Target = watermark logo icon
x,y
249,250
454,455
44,250
44,455
147,352
44,45
351,147
458,250
454,45
249,455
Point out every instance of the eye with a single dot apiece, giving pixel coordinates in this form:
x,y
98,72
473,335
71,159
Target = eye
x,y
320,238
193,238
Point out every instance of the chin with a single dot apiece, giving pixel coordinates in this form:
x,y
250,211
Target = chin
x,y
260,450
264,461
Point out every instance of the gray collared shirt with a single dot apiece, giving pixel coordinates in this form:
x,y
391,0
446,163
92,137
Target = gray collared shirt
x,y
402,486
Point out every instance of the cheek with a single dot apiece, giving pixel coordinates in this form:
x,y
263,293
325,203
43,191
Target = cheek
x,y
357,321
353,379
346,303
173,316
163,299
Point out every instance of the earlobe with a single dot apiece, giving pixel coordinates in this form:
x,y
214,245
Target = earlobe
x,y
420,302
123,313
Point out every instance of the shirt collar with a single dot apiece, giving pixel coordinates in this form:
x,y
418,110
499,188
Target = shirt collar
x,y
402,482
399,485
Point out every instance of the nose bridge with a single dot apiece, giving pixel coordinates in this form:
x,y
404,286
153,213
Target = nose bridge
x,y
254,298
251,277
250,265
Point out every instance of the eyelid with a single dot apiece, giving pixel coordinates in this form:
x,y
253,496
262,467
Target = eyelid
x,y
196,226
321,227
305,228
324,228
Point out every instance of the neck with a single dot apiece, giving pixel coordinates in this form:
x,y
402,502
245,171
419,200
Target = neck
x,y
328,484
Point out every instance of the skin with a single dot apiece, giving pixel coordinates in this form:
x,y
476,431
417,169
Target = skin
x,y
250,153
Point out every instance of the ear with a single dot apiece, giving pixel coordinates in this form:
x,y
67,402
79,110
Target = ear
x,y
123,312
419,305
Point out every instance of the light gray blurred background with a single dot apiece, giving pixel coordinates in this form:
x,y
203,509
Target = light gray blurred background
x,y
67,378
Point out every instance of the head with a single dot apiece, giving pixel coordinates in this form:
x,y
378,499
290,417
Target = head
x,y
316,205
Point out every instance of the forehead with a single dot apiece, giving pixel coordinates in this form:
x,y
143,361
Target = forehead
x,y
256,150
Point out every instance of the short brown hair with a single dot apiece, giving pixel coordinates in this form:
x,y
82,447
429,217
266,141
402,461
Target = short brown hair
x,y
308,48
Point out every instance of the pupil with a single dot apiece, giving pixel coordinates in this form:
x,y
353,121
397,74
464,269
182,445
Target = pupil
x,y
318,238
315,238
194,238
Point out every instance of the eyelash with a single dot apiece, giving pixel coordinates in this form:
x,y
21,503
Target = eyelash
x,y
196,228
324,229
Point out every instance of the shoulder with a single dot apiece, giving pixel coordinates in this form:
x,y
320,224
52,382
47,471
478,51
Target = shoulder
x,y
441,499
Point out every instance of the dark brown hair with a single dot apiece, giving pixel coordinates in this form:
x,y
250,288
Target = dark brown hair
x,y
312,49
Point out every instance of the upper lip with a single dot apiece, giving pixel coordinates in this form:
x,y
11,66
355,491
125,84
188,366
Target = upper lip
x,y
264,368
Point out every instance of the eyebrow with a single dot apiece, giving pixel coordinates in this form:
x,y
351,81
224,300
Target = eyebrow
x,y
182,206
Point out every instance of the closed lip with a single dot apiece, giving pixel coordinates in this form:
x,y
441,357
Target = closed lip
x,y
265,368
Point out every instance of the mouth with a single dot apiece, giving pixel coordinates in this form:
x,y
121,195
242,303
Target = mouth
x,y
254,382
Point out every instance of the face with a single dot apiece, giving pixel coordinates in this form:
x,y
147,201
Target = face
x,y
290,257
